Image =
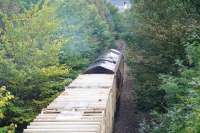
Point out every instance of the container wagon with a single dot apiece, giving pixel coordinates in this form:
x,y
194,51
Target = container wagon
x,y
88,104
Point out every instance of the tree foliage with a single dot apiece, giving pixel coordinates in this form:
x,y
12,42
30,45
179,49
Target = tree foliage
x,y
44,44
164,55
85,25
29,61
5,98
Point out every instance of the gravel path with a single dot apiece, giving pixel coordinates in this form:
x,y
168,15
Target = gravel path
x,y
127,116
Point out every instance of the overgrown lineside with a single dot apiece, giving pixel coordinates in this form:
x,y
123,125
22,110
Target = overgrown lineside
x,y
163,51
44,44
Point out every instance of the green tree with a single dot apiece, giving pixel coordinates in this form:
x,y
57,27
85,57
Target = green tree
x,y
157,31
182,94
43,44
5,98
164,54
29,61
87,30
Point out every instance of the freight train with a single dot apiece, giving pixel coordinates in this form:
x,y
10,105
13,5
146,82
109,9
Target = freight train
x,y
88,104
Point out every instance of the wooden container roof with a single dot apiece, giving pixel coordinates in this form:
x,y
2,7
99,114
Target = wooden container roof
x,y
80,108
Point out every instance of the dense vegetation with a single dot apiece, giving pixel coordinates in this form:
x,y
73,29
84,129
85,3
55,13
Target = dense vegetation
x,y
43,46
164,42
